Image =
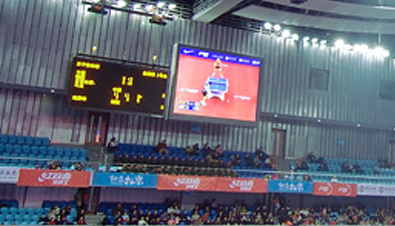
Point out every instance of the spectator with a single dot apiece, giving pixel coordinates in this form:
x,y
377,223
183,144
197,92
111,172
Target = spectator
x,y
310,158
112,145
323,166
261,154
189,150
346,167
249,162
142,221
81,221
358,169
161,148
219,151
196,149
206,149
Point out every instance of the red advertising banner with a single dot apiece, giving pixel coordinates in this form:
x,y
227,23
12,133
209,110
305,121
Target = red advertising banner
x,y
53,178
186,183
335,189
241,185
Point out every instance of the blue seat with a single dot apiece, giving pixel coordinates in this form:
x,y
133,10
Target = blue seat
x,y
20,140
3,139
29,140
37,141
11,139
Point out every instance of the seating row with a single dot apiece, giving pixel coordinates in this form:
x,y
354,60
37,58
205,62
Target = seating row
x,y
11,139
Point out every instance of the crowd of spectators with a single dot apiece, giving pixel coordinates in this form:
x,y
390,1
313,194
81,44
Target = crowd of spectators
x,y
58,216
57,165
277,213
177,170
194,156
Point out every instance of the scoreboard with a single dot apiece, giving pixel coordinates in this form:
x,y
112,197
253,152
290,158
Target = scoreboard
x,y
109,86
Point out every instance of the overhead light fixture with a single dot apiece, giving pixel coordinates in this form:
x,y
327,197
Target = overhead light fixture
x,y
172,6
323,42
149,8
286,33
314,40
136,6
339,43
306,39
121,3
295,37
160,4
268,26
277,27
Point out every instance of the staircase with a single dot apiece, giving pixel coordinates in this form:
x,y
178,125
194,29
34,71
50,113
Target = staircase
x,y
93,219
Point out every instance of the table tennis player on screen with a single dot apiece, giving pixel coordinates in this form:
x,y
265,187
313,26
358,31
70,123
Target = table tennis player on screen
x,y
214,86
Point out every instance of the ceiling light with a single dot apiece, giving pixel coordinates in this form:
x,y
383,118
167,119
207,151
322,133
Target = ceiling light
x,y
136,6
386,53
172,6
277,27
121,3
286,33
348,47
149,7
323,42
339,43
295,37
314,40
160,4
306,39
267,26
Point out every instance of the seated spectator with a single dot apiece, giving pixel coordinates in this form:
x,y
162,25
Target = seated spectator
x,y
189,150
219,151
81,221
323,167
261,154
196,149
384,163
142,221
257,162
334,179
249,162
310,158
237,161
125,217
206,149
51,165
358,169
346,167
301,165
118,209
112,145
161,148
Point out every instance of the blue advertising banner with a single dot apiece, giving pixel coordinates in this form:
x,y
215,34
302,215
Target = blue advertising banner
x,y
284,186
124,180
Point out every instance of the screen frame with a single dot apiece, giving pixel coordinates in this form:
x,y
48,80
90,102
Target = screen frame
x,y
170,114
119,62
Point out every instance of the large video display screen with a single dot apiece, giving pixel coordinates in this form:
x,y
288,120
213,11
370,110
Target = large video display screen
x,y
215,85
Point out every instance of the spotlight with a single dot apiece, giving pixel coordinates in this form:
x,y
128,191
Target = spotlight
x,y
314,40
364,48
160,4
323,42
286,33
306,39
277,27
121,3
267,26
386,53
136,6
172,6
348,47
339,43
149,7
295,37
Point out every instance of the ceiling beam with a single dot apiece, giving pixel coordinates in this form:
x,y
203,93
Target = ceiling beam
x,y
214,11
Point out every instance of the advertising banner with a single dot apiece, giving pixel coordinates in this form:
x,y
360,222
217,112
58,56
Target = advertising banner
x,y
9,175
284,186
376,190
124,180
335,189
226,184
186,183
53,178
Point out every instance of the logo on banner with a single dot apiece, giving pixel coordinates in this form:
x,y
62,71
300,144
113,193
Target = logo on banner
x,y
244,185
189,183
127,180
291,186
346,191
58,178
327,188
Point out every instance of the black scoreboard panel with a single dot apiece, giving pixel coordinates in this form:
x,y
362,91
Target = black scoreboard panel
x,y
111,86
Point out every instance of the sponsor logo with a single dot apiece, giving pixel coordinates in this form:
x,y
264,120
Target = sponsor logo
x,y
345,190
186,51
189,183
256,62
203,54
243,185
57,178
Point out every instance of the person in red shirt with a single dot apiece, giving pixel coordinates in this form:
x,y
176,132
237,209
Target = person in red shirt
x,y
81,221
